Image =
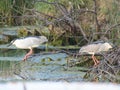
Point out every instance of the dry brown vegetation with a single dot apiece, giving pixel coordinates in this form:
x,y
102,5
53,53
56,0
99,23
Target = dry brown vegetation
x,y
81,21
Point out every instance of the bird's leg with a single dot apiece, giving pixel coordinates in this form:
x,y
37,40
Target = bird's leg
x,y
96,62
28,54
93,57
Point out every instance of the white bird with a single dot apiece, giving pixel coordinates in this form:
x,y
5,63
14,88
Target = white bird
x,y
95,48
29,43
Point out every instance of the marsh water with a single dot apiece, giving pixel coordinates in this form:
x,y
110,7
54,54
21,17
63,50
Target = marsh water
x,y
43,65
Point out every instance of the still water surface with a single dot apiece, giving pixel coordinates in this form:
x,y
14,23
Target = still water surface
x,y
41,66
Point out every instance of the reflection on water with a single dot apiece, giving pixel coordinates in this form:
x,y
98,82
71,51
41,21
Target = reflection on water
x,y
7,69
8,60
40,66
12,52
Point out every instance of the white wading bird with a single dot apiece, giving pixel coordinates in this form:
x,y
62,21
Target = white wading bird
x,y
95,48
29,43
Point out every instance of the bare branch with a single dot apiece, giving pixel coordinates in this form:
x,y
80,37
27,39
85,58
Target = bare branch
x,y
115,25
60,6
96,19
86,10
84,35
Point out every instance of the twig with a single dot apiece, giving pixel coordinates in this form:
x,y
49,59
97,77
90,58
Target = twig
x,y
115,25
109,74
84,10
96,19
81,30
